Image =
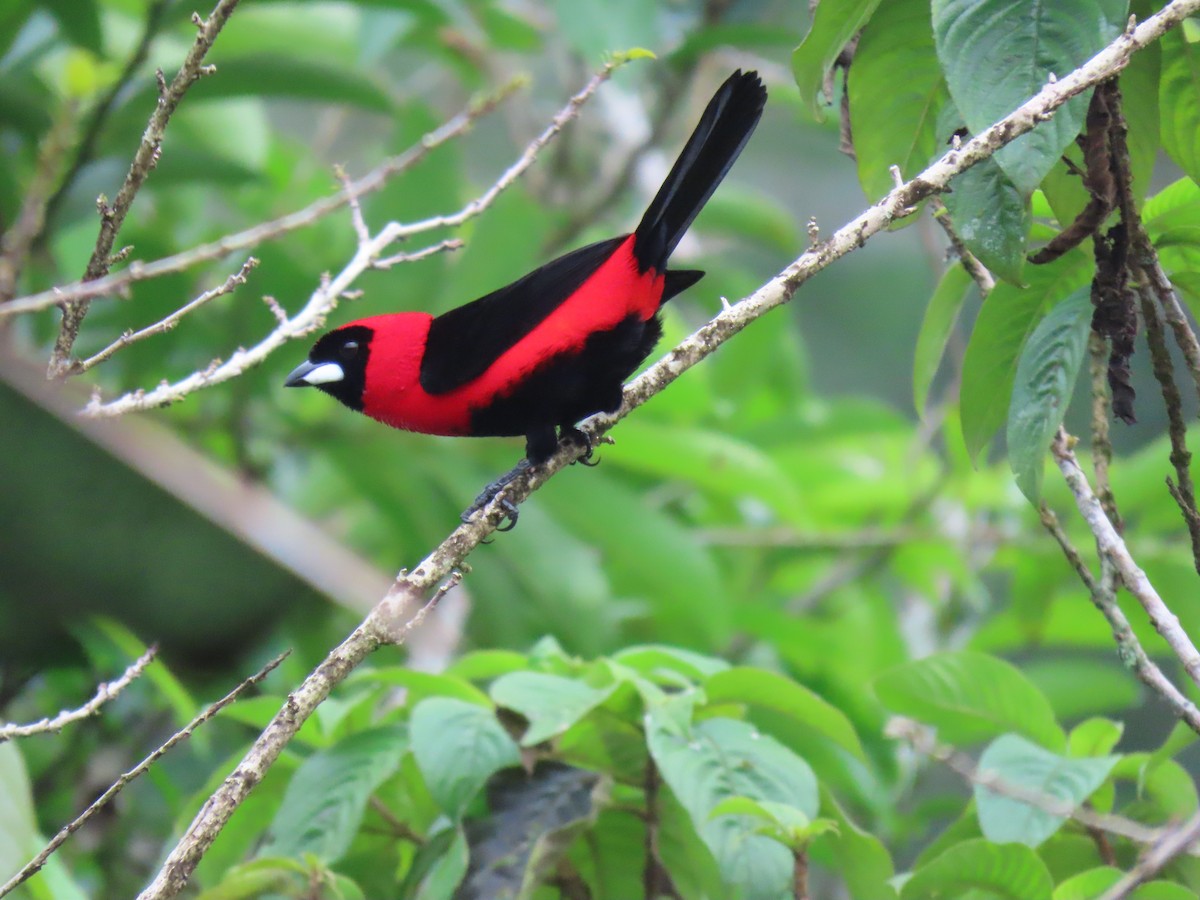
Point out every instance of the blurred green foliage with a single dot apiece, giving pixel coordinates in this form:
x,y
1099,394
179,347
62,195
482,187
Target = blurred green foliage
x,y
695,647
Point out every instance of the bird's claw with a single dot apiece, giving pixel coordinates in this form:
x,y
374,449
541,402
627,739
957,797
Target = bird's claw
x,y
583,439
491,492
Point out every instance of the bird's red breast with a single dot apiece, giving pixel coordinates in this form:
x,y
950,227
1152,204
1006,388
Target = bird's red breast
x,y
393,393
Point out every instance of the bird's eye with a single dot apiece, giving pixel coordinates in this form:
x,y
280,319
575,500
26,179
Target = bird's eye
x,y
349,350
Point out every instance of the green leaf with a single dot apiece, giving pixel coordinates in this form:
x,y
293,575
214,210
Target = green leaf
x,y
1179,101
716,759
861,858
1094,882
439,866
1140,82
1045,379
1019,763
969,697
940,315
1088,686
998,53
1006,320
895,119
834,23
551,703
509,31
267,876
771,690
652,659
324,804
992,217
423,684
1011,871
458,746
1094,737
783,823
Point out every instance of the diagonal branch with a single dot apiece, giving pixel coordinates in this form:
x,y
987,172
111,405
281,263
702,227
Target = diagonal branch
x,y
1112,546
144,160
105,693
389,621
325,298
34,865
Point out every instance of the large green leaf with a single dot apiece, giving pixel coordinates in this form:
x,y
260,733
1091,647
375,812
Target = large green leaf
x,y
834,23
998,53
770,690
1045,380
715,760
324,804
861,858
1005,322
551,703
1094,882
895,119
992,218
969,696
1179,101
1012,871
1016,761
458,746
940,315
79,21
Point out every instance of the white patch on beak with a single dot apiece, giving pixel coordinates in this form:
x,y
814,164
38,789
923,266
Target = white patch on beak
x,y
324,374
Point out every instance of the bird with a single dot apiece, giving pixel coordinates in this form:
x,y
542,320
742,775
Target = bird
x,y
536,357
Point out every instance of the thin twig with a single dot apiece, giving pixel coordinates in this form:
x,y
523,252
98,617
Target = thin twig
x,y
325,299
979,273
1182,491
1104,596
105,693
387,620
34,865
162,326
924,741
119,282
1175,842
1111,545
112,217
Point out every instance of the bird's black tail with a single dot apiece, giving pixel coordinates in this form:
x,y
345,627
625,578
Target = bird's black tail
x,y
726,125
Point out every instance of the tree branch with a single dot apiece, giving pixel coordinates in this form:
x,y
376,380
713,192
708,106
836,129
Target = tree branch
x,y
144,160
325,299
389,621
1173,843
104,693
119,282
34,865
1111,545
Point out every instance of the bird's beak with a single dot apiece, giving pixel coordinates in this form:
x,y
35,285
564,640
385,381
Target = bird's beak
x,y
311,373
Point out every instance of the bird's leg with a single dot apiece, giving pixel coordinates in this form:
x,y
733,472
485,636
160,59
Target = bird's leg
x,y
488,494
573,435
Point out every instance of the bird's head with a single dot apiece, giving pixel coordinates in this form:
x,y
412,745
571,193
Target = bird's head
x,y
370,356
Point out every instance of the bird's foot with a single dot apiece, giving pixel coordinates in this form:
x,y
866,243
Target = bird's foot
x,y
509,521
582,439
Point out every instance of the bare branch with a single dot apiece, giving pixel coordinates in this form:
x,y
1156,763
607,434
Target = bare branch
x,y
104,693
325,299
144,160
388,622
1129,648
1175,842
34,865
164,325
1111,545
119,282
924,742
979,273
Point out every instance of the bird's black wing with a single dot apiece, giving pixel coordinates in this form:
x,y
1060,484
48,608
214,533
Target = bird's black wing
x,y
463,342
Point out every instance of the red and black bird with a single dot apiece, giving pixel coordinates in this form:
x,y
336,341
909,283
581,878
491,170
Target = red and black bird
x,y
539,355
